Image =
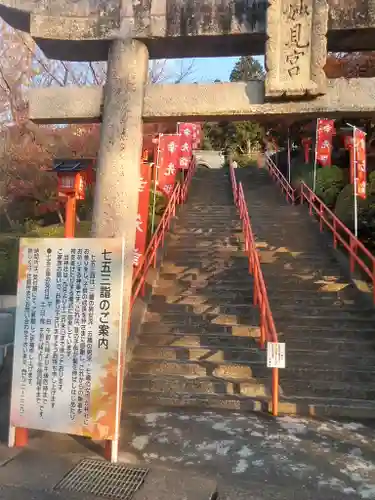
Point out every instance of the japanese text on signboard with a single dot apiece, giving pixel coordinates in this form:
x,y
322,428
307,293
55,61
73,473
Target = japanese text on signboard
x,y
67,330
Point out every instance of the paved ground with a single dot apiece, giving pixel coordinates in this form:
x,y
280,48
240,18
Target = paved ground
x,y
252,456
324,459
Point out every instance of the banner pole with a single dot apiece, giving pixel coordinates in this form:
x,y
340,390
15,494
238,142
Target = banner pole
x,y
154,199
316,153
289,160
156,178
355,185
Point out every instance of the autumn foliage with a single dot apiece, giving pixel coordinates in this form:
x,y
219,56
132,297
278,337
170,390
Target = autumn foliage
x,y
351,65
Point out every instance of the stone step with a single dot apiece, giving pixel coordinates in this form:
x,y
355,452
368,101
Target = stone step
x,y
189,315
136,400
201,309
327,407
220,339
335,389
202,320
193,279
229,371
341,311
216,261
341,347
246,297
172,385
356,344
203,286
315,300
241,289
318,407
204,246
202,306
313,373
334,321
244,370
204,218
213,353
220,353
289,333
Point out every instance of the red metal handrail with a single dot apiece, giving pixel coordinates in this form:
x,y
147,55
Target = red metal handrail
x,y
328,219
178,196
233,181
289,191
354,247
268,331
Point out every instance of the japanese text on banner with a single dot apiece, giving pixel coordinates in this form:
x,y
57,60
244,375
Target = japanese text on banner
x,y
360,158
197,136
67,336
167,162
324,141
142,216
186,131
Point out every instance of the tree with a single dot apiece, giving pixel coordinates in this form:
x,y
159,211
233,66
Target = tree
x,y
238,137
26,188
247,68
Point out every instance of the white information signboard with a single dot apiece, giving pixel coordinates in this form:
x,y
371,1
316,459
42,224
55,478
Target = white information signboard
x,y
275,355
68,350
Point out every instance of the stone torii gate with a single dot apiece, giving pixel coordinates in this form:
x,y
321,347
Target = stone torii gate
x,y
294,35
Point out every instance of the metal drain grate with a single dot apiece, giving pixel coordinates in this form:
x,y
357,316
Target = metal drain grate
x,y
96,477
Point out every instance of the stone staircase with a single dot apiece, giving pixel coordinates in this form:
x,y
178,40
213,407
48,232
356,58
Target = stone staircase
x,y
327,327
198,343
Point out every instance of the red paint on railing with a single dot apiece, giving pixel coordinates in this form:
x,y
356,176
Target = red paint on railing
x,y
341,234
178,196
358,253
281,180
268,331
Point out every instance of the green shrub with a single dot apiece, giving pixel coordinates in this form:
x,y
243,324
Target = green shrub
x,y
9,245
244,160
302,173
344,208
329,182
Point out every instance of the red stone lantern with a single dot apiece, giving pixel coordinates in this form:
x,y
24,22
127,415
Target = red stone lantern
x,y
73,176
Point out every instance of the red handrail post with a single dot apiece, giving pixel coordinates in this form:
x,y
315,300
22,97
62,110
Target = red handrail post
x,y
352,252
262,324
334,234
321,216
275,392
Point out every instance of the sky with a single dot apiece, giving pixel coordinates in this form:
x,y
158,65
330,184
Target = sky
x,y
210,68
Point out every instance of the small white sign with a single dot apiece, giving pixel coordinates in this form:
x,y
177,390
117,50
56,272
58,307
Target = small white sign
x,y
275,355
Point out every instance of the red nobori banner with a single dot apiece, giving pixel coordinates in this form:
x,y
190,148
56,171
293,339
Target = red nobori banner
x,y
185,152
167,162
193,130
324,141
359,140
186,132
197,135
142,217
